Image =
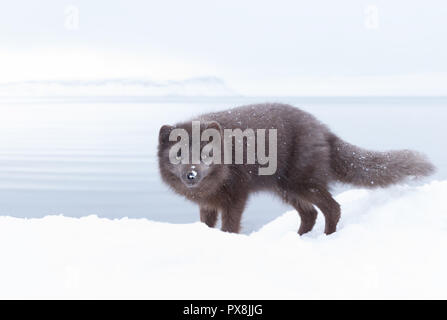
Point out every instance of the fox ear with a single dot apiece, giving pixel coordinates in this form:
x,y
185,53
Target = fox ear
x,y
214,125
163,135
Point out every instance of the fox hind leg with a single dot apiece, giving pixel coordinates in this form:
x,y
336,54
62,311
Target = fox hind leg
x,y
326,203
306,210
308,215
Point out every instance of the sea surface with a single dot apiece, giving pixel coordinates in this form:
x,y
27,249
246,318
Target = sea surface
x,y
79,156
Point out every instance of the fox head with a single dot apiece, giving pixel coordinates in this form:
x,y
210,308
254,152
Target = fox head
x,y
188,165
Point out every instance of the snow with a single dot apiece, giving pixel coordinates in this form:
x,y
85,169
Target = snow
x,y
390,244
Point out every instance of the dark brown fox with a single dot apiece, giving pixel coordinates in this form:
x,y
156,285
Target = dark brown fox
x,y
309,158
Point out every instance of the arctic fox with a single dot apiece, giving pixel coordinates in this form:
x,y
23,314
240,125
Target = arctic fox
x,y
309,157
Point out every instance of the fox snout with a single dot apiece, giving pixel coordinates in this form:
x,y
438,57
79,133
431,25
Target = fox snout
x,y
191,177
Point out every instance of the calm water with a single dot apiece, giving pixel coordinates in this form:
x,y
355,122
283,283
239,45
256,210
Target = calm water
x,y
97,156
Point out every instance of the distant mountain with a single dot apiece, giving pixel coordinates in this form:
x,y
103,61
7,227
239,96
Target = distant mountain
x,y
201,86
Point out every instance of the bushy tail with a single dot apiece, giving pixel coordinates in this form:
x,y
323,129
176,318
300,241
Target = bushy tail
x,y
361,167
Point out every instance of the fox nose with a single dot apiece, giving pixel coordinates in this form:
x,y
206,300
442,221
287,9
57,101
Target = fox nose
x,y
191,175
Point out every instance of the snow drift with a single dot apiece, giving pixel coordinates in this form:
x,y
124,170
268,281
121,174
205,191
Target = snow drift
x,y
391,243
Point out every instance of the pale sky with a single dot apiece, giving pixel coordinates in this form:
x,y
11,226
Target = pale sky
x,y
256,47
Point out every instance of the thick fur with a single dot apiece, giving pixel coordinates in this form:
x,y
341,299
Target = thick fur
x,y
309,158
366,168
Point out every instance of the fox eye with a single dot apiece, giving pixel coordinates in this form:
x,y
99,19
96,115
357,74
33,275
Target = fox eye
x,y
206,156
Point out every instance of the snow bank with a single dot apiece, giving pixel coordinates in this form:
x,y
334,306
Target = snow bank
x,y
391,243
